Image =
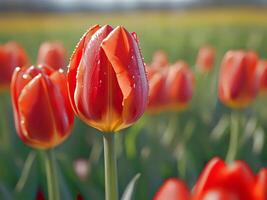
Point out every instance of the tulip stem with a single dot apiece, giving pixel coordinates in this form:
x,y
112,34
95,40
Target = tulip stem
x,y
111,182
234,136
51,174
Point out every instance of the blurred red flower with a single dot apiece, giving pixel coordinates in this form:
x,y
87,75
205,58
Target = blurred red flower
x,y
52,54
238,84
12,55
219,181
172,189
205,59
262,75
171,88
160,59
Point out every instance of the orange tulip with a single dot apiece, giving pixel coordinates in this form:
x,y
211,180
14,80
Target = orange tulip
x,y
107,82
52,54
262,75
12,55
238,84
42,112
205,59
172,189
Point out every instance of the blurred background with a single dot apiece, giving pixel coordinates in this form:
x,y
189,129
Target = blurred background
x,y
159,145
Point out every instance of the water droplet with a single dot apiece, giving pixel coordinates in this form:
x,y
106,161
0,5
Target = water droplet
x,y
134,85
25,76
133,77
98,62
61,71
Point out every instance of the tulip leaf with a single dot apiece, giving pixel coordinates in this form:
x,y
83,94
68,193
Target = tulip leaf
x,y
129,191
26,171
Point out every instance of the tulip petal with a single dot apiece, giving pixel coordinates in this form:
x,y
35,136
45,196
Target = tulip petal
x,y
62,110
36,127
172,189
124,55
261,185
75,62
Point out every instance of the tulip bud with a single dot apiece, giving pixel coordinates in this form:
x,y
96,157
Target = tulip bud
x,y
52,54
238,84
42,112
205,59
157,96
172,189
11,56
170,88
235,181
179,86
262,75
107,82
260,191
160,59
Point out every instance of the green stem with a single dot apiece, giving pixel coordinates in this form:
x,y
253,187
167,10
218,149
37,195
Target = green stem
x,y
234,137
111,182
51,174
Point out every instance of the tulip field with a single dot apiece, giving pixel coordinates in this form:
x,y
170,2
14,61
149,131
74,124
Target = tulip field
x,y
161,105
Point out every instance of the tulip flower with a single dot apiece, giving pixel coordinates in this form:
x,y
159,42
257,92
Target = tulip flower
x,y
157,97
108,87
170,88
235,181
262,75
219,181
179,86
39,195
205,59
172,189
52,54
12,55
238,84
160,59
42,113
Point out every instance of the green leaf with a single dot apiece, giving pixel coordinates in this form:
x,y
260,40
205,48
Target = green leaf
x,y
129,191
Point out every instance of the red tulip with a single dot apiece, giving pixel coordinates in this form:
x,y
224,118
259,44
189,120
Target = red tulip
x,y
205,59
262,75
170,88
157,96
39,195
42,112
236,181
107,82
11,56
238,84
179,86
52,54
172,189
79,197
160,59
260,190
